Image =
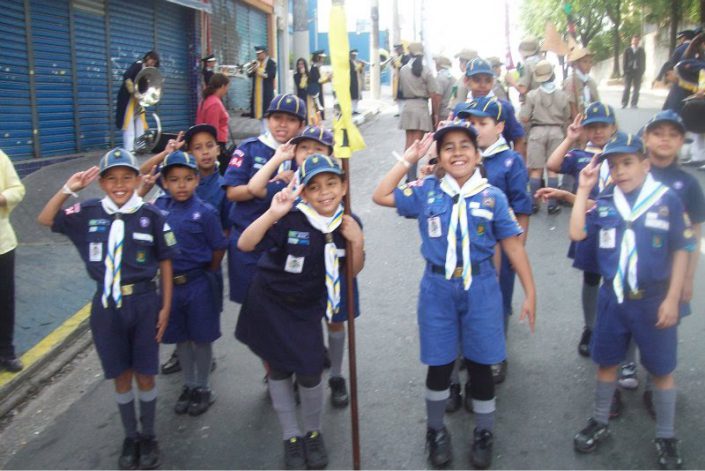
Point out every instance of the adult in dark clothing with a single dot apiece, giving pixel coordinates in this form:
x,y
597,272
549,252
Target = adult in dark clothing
x,y
262,82
301,85
634,64
683,37
208,69
127,118
674,100
316,81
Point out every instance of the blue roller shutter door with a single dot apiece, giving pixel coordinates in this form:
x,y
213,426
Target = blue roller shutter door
x,y
54,88
16,125
250,31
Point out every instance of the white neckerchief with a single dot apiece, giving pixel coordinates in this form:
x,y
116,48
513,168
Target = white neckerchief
x,y
584,78
500,145
471,97
268,140
327,225
459,218
650,193
548,87
116,238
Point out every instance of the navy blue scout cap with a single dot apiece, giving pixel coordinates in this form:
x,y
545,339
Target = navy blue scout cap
x,y
118,157
666,116
478,66
456,125
317,134
179,158
622,143
457,109
598,112
260,49
287,103
193,130
484,107
315,164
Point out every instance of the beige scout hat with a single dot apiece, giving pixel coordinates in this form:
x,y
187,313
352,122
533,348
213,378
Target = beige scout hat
x,y
543,71
578,53
415,49
443,61
529,46
495,61
467,54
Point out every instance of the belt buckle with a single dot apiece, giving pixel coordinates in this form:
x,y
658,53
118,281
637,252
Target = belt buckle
x,y
458,272
127,290
180,280
636,295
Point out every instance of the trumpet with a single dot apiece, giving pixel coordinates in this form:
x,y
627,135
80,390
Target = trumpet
x,y
237,70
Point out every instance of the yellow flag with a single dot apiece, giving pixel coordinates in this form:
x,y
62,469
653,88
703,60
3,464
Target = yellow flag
x,y
347,137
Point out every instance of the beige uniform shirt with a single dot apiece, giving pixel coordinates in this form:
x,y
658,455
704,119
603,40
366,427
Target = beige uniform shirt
x,y
542,108
445,85
13,190
527,77
569,85
459,95
412,86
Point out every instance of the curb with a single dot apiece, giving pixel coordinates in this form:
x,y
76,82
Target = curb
x,y
45,359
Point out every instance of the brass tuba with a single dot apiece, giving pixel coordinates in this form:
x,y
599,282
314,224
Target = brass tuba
x,y
148,91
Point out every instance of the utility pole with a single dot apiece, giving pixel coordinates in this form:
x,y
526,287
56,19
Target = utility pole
x,y
283,75
396,30
300,14
374,52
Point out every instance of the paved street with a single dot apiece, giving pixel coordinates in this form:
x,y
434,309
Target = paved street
x,y
73,423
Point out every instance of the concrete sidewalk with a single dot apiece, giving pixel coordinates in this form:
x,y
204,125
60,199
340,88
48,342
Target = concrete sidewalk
x,y
52,288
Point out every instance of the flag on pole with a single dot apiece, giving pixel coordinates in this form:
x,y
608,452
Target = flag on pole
x,y
347,137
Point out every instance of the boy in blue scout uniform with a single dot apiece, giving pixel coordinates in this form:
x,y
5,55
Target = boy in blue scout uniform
x,y
506,170
298,281
461,220
479,79
194,322
288,158
285,119
124,244
596,127
643,239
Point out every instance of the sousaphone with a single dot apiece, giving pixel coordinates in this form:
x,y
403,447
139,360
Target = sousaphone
x,y
148,91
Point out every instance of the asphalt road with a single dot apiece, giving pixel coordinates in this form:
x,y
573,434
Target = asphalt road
x,y
73,423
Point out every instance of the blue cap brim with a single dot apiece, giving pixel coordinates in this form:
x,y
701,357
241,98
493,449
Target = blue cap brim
x,y
298,139
199,128
599,119
677,124
618,150
313,173
131,167
440,134
474,112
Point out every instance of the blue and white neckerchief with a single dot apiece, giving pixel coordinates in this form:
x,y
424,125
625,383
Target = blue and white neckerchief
x,y
459,219
327,225
548,87
584,78
500,145
116,239
268,140
650,193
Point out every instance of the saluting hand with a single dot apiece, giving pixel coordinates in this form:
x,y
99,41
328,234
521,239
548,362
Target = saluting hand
x,y
80,180
285,152
418,149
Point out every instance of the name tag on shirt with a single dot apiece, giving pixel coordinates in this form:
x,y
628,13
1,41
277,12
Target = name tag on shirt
x,y
142,236
294,264
652,220
608,238
473,204
95,251
434,226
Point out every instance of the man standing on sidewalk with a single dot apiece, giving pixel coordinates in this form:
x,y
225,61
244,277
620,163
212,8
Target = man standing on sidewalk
x,y
634,64
11,193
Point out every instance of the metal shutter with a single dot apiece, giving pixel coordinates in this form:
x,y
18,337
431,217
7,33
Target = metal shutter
x,y
250,31
175,39
94,117
52,66
16,126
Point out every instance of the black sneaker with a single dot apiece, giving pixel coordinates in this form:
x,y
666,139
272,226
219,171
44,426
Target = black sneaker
x,y
555,209
584,345
201,400
294,456
440,451
455,400
172,365
11,364
481,455
149,453
315,449
649,403
617,405
326,358
182,403
587,439
130,456
338,392
534,208
499,372
467,400
669,454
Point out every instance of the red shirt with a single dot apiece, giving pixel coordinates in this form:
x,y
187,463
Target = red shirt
x,y
211,111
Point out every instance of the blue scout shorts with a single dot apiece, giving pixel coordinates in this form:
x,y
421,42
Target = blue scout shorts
x,y
194,313
449,316
125,338
241,268
617,323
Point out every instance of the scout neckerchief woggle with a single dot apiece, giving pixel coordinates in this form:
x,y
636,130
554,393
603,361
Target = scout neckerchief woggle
x,y
459,218
116,238
327,225
650,193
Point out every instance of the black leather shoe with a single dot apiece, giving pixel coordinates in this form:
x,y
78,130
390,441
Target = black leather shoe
x,y
172,365
481,456
455,401
201,400
467,400
315,448
669,454
584,345
338,392
182,403
587,439
129,458
294,456
439,448
11,364
149,453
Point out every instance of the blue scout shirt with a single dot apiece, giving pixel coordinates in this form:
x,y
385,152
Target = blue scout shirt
x,y
573,163
661,231
506,170
275,187
210,190
198,228
489,218
148,239
687,188
513,130
293,238
247,159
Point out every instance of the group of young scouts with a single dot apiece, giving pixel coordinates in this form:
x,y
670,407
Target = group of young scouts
x,y
278,213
